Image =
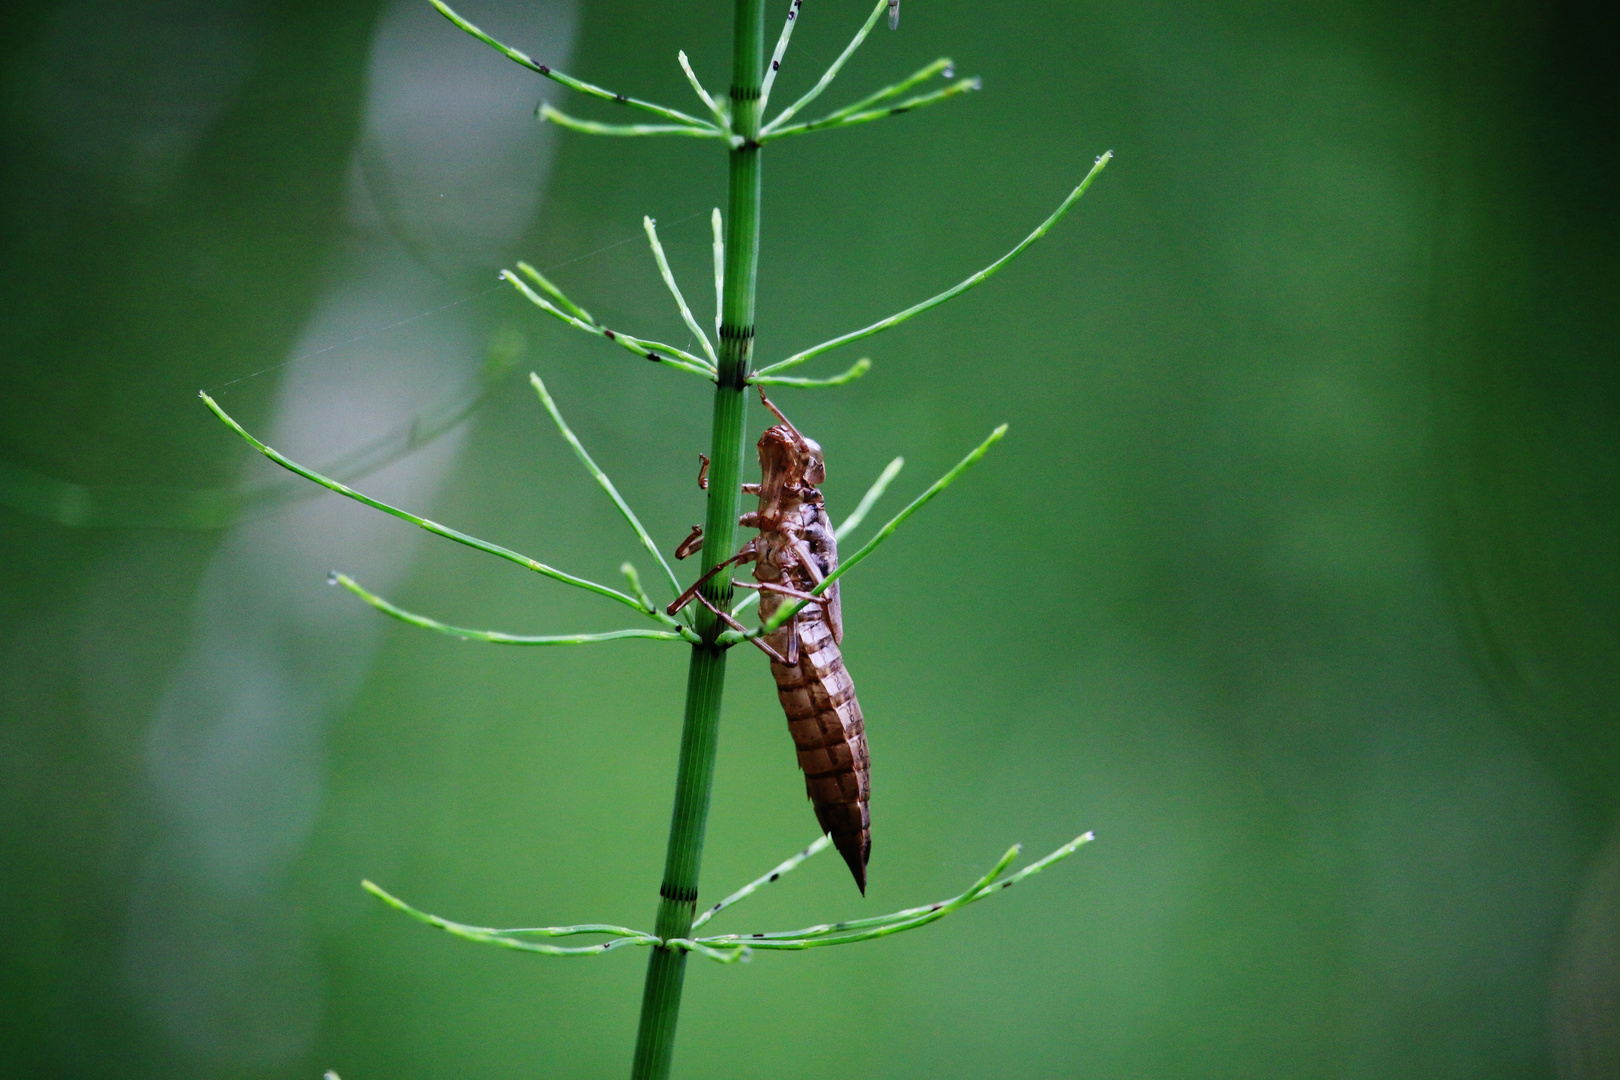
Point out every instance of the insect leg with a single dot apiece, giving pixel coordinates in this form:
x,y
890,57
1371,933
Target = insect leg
x,y
745,555
693,542
768,586
778,412
735,625
750,489
808,560
703,472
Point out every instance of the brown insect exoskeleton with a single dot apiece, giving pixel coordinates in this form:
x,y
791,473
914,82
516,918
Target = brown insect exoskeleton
x,y
794,551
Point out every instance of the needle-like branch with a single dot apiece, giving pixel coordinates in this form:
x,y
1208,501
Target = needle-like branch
x,y
495,637
601,478
829,75
880,926
776,57
714,107
555,293
651,226
850,524
433,526
854,930
655,351
568,80
954,291
855,371
595,127
730,948
629,571
787,611
821,844
893,90
719,268
873,494
959,87
518,939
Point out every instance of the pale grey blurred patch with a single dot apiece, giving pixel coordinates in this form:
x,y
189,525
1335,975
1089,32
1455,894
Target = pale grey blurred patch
x,y
1586,996
448,174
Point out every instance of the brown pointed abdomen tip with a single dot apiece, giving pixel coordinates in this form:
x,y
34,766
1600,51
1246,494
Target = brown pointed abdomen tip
x,y
855,858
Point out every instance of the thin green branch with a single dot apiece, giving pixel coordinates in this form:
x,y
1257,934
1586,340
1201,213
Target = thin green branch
x,y
655,351
495,637
776,57
878,926
826,123
893,90
957,290
595,127
873,494
856,370
555,293
828,76
629,571
433,526
730,948
568,80
516,939
787,865
850,524
855,930
601,478
714,107
719,268
668,275
787,611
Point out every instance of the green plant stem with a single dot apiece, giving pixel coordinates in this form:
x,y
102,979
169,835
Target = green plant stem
x,y
677,907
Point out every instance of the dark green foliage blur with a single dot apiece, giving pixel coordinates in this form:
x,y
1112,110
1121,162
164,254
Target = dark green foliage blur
x,y
1297,577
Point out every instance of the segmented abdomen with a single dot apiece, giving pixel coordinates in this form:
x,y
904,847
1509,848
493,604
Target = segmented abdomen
x,y
825,720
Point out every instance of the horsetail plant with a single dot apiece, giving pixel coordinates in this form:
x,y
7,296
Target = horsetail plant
x,y
710,627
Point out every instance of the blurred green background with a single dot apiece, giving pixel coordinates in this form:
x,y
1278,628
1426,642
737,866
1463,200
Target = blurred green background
x,y
1297,578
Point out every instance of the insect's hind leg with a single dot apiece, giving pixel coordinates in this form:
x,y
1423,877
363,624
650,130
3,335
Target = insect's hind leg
x,y
745,555
764,646
768,586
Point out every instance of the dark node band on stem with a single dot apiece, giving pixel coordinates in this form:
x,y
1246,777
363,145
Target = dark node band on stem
x,y
736,333
676,895
744,93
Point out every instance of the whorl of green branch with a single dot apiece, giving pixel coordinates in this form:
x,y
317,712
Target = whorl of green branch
x,y
736,118
729,948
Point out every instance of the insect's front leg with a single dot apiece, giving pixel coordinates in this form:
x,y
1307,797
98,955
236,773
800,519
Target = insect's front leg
x,y
703,472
